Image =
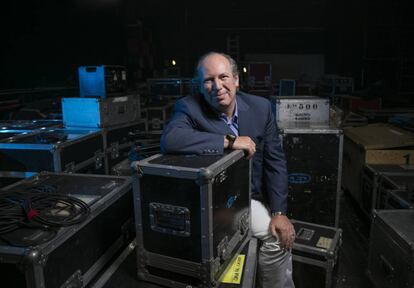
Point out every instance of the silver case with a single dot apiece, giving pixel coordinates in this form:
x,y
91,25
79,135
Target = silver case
x,y
301,109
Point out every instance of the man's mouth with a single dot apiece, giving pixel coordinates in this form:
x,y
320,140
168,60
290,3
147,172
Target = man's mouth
x,y
221,96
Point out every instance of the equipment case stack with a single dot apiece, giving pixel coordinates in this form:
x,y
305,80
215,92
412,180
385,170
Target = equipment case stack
x,y
315,254
192,216
119,140
391,249
58,150
314,162
389,197
259,75
100,113
379,180
37,258
158,114
334,85
102,81
161,89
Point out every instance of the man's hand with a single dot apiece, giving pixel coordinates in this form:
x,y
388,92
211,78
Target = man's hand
x,y
281,228
243,143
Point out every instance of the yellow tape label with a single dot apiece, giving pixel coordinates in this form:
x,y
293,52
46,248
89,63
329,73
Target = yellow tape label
x,y
324,242
235,272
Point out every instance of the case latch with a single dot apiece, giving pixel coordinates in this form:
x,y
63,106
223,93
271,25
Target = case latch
x,y
114,150
222,248
98,159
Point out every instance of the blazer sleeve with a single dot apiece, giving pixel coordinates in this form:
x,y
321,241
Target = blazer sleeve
x,y
274,169
182,135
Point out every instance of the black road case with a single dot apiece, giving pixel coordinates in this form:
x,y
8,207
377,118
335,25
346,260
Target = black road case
x,y
396,182
161,111
118,141
75,254
58,150
192,215
391,249
122,271
158,114
314,162
375,178
315,254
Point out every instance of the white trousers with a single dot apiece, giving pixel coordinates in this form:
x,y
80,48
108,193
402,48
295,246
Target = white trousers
x,y
274,263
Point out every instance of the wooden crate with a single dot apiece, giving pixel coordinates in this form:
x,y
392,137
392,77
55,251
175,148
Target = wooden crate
x,y
372,144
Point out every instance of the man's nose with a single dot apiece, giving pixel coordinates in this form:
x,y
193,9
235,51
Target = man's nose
x,y
217,84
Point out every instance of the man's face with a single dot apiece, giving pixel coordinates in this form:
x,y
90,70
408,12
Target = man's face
x,y
218,84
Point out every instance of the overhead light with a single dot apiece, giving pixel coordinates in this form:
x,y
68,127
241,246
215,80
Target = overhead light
x,y
244,70
173,62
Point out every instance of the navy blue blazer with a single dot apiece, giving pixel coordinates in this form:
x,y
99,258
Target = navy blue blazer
x,y
195,128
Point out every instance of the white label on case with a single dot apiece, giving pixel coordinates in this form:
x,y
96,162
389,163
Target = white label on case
x,y
120,99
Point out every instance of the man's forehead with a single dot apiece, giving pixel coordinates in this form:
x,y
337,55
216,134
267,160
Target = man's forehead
x,y
215,58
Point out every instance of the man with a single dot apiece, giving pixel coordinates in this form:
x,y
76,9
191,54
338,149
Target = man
x,y
222,118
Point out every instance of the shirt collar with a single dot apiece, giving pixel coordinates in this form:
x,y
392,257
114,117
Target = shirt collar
x,y
235,116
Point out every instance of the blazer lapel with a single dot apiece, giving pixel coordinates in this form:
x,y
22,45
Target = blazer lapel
x,y
244,118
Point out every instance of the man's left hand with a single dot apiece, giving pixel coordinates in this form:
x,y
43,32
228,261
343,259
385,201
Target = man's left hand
x,y
281,228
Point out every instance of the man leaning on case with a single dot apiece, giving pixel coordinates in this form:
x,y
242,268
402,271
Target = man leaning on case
x,y
221,117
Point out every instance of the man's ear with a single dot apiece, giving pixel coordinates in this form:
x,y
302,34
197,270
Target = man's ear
x,y
236,78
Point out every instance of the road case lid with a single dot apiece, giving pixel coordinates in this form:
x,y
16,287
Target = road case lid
x,y
401,221
187,166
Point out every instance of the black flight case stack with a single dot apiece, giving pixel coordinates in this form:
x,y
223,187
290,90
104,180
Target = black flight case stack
x,y
387,186
391,249
314,162
75,225
19,128
192,216
57,150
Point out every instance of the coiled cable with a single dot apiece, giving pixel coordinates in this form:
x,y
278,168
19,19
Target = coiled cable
x,y
39,206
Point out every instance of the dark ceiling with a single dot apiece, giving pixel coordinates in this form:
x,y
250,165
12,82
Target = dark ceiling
x,y
43,42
